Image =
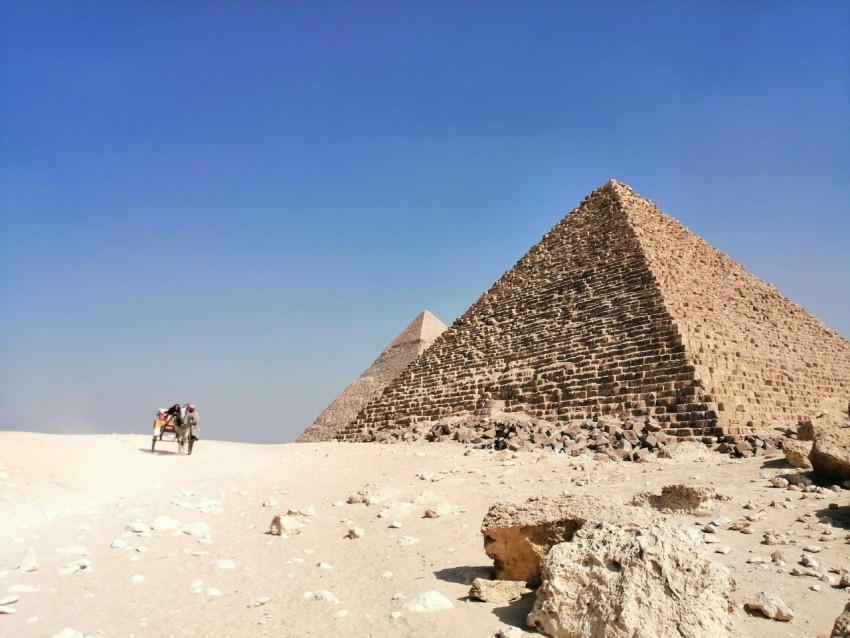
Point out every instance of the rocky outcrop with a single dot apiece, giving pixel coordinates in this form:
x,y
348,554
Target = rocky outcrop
x,y
519,536
830,455
617,581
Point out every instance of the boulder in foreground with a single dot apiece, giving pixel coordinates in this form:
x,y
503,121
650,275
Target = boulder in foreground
x,y
621,582
517,536
830,455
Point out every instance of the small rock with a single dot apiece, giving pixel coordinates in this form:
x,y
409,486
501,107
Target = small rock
x,y
270,502
29,562
429,601
224,564
813,549
9,600
164,523
771,606
138,578
509,632
407,540
6,610
260,601
355,532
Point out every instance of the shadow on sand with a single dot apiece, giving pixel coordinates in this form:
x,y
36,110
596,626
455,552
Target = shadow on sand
x,y
157,452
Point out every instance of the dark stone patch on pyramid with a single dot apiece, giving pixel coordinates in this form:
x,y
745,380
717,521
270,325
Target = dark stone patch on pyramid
x,y
620,310
400,353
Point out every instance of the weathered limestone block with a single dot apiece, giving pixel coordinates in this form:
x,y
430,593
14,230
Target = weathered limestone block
x,y
797,453
616,581
695,500
830,455
810,427
518,536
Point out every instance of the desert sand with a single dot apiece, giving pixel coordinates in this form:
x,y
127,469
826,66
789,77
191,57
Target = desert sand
x,y
129,543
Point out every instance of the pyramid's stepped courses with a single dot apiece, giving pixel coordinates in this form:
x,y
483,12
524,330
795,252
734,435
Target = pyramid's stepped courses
x,y
405,348
761,357
620,309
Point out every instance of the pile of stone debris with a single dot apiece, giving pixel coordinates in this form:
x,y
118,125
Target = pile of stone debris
x,y
605,437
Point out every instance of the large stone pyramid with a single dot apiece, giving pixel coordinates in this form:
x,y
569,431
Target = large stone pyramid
x,y
620,310
404,349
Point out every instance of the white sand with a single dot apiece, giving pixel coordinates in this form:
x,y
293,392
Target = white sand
x,y
71,498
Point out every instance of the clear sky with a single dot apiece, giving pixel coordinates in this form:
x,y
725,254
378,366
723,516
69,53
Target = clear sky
x,y
241,203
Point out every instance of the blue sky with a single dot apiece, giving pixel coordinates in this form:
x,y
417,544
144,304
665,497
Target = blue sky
x,y
239,204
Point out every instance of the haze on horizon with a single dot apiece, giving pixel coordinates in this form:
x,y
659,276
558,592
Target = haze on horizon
x,y
240,204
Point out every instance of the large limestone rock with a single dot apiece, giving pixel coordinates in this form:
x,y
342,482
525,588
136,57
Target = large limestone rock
x,y
810,427
841,628
613,581
681,498
830,455
797,453
517,536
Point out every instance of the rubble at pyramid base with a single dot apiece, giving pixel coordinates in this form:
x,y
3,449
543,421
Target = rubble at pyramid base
x,y
602,438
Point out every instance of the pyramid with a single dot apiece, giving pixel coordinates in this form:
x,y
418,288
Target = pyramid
x,y
620,310
404,349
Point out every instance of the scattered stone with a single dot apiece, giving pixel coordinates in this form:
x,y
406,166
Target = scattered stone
x,y
164,523
621,581
370,494
499,592
29,562
441,509
429,601
6,610
509,632
224,564
9,600
119,543
322,594
270,502
142,529
778,481
138,578
355,532
82,564
408,540
199,530
771,606
285,524
812,549
774,537
259,602
396,525
67,632
73,550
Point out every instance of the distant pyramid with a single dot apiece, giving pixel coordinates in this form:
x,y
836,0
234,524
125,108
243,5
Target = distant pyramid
x,y
621,310
404,349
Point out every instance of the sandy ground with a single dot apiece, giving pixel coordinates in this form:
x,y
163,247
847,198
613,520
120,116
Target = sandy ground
x,y
71,497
